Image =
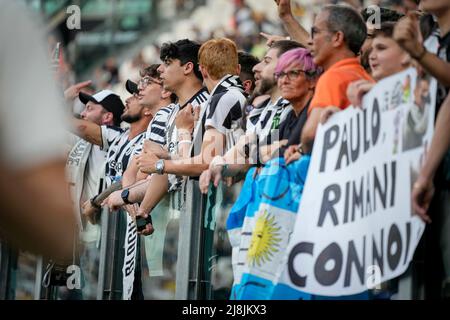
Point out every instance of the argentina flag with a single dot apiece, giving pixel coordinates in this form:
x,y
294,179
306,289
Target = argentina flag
x,y
272,199
246,202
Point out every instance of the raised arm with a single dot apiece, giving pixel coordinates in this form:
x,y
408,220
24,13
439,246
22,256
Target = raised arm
x,y
292,26
72,92
407,34
423,190
88,131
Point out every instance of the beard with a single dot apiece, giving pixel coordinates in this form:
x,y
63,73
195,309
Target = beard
x,y
128,118
265,86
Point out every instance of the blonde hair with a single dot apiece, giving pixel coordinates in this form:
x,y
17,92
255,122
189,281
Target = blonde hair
x,y
219,57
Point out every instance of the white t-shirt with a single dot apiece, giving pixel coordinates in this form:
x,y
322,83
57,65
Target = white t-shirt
x,y
32,119
93,172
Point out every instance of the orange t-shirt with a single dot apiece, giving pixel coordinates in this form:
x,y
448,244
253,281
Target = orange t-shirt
x,y
331,88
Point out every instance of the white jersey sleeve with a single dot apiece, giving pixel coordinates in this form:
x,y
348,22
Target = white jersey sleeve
x,y
109,134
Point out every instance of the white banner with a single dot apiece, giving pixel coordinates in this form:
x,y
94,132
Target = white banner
x,y
355,228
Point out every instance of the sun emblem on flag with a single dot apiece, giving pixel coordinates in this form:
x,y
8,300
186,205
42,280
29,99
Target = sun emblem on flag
x,y
265,240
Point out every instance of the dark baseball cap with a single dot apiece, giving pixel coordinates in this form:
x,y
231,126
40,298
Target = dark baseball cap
x,y
132,87
108,100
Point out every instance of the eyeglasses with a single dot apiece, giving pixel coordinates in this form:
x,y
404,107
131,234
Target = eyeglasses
x,y
291,75
145,81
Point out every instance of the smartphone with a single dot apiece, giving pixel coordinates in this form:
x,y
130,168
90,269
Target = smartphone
x,y
141,222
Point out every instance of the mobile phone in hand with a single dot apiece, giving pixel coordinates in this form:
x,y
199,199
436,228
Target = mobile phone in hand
x,y
141,222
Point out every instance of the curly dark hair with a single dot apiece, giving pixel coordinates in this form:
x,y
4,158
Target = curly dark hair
x,y
151,71
247,62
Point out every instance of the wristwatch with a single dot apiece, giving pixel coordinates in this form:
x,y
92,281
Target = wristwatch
x,y
300,149
159,166
125,194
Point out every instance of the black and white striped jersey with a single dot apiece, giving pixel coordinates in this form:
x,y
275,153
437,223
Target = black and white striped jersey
x,y
224,111
157,128
254,115
197,100
119,151
226,106
267,128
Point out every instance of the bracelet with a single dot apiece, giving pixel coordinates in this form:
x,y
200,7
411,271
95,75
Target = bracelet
x,y
420,57
184,138
184,141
